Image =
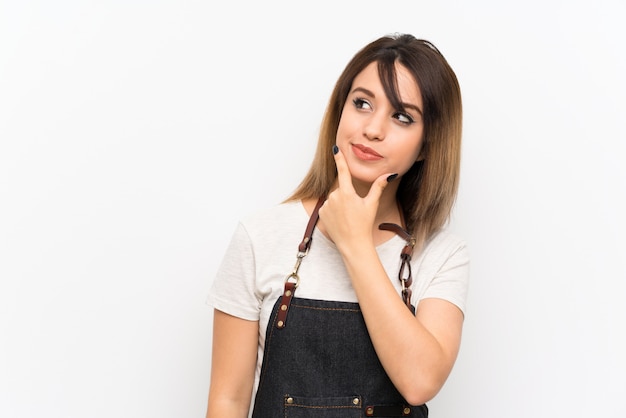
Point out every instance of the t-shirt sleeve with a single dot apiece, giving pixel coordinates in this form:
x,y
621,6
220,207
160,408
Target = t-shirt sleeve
x,y
233,288
451,280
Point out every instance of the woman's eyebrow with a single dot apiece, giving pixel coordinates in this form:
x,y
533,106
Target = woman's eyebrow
x,y
412,106
363,90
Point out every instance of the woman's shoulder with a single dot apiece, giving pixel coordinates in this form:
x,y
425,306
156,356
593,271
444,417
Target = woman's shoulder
x,y
443,244
269,213
280,217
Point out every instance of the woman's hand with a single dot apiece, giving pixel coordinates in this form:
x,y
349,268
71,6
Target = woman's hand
x,y
348,217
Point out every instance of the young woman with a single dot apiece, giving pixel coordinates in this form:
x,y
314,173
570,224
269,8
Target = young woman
x,y
347,299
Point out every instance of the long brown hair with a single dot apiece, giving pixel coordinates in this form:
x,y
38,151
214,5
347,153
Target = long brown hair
x,y
428,190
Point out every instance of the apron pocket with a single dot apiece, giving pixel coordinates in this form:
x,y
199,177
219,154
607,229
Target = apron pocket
x,y
335,407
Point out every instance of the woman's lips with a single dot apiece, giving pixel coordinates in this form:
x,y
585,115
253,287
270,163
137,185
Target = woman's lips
x,y
365,153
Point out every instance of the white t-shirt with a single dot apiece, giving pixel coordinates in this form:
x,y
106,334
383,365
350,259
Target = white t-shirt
x,y
262,253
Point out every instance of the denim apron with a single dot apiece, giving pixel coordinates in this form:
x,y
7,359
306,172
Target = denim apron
x,y
321,362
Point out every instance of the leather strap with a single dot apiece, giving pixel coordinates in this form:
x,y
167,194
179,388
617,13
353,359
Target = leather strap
x,y
406,278
285,302
292,281
308,233
387,411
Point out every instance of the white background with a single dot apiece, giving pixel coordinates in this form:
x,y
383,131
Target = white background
x,y
134,134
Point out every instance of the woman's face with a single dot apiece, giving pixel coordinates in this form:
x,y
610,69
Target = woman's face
x,y
374,137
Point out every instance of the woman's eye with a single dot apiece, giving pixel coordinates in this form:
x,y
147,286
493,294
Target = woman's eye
x,y
361,104
404,118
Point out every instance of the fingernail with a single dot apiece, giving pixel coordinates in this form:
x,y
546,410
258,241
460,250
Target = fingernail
x,y
335,149
392,177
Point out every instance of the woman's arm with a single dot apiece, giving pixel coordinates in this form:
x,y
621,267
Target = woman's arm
x,y
417,352
235,342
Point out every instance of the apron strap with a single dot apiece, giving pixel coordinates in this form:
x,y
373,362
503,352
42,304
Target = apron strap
x,y
406,278
308,233
292,281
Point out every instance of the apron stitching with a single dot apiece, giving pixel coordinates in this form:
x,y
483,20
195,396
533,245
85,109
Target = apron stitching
x,y
324,407
326,309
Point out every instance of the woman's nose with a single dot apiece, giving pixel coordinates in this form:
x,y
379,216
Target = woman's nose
x,y
374,129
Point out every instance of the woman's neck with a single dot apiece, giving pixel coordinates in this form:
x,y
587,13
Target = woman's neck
x,y
388,208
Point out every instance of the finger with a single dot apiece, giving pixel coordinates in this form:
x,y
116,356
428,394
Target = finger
x,y
379,185
344,178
